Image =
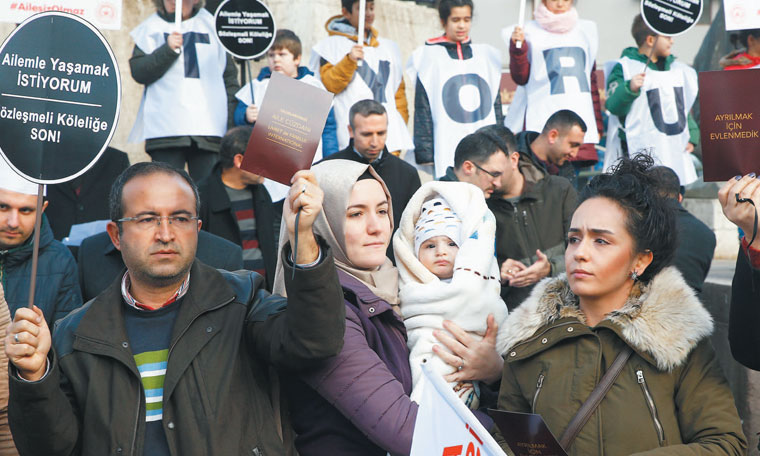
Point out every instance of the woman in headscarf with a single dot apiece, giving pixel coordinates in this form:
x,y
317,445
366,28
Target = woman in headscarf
x,y
357,403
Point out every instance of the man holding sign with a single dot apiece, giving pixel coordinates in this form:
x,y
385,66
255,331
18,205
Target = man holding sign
x,y
173,357
356,71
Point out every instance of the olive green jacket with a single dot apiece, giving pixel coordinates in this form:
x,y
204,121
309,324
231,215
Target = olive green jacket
x,y
672,392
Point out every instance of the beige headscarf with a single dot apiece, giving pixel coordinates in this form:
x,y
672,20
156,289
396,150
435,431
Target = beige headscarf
x,y
336,179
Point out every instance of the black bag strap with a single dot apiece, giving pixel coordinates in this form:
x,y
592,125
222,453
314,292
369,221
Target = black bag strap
x,y
595,398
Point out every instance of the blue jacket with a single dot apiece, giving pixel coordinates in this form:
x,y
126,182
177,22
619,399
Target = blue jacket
x,y
329,134
57,288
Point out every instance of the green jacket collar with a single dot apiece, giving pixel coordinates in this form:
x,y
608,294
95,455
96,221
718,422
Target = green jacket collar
x,y
662,321
633,54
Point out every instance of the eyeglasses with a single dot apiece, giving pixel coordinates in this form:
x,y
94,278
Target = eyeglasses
x,y
494,174
146,222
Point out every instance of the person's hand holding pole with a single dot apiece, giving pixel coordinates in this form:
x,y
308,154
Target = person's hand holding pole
x,y
27,343
305,197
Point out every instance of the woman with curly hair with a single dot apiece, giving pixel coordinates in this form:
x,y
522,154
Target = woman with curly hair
x,y
621,303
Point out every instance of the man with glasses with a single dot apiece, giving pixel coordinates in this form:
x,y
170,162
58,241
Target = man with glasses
x,y
174,357
533,210
479,160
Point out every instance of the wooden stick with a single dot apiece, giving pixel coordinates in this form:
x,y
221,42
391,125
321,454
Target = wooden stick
x,y
360,34
36,245
521,21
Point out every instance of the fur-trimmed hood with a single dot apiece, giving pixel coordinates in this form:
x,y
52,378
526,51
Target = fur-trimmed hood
x,y
663,319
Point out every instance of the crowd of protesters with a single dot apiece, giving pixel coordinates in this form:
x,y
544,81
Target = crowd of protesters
x,y
218,312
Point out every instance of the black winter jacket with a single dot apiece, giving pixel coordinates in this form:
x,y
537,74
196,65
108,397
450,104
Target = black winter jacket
x,y
217,217
67,207
744,315
229,330
539,220
57,287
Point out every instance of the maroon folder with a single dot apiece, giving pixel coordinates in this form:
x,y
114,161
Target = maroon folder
x,y
526,434
288,129
729,103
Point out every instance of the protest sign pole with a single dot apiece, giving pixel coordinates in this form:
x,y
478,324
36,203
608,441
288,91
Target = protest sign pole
x,y
250,77
178,15
360,29
521,21
36,244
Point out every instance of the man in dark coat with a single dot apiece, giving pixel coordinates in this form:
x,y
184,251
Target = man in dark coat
x,y
56,289
100,262
84,199
236,206
173,358
558,143
744,317
533,210
696,241
368,129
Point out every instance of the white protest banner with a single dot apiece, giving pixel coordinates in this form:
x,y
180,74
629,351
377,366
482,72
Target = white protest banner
x,y
103,14
742,14
445,426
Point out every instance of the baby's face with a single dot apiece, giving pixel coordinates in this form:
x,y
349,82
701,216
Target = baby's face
x,y
437,255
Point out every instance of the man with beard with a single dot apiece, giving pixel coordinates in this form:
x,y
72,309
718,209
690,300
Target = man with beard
x,y
173,358
57,288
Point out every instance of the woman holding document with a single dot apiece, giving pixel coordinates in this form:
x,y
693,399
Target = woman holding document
x,y
357,403
621,305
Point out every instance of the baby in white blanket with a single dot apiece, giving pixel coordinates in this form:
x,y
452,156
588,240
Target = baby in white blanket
x,y
444,251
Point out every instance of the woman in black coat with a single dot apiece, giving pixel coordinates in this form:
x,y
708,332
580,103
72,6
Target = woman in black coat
x,y
744,317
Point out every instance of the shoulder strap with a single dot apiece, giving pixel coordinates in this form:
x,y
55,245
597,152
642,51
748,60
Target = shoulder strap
x,y
587,409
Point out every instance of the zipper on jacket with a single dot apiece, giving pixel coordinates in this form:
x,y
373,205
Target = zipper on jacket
x,y
539,385
650,403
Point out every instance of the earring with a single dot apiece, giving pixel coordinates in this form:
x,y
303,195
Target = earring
x,y
634,276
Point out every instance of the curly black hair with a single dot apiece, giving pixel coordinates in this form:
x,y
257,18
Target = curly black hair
x,y
650,217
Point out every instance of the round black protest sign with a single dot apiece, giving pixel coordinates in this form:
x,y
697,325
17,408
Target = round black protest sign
x,y
60,93
245,28
671,17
